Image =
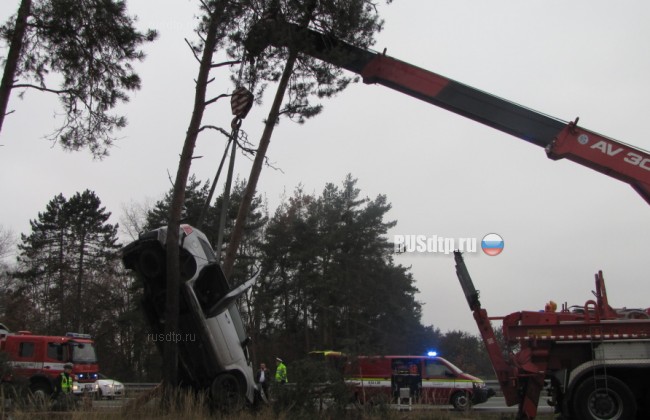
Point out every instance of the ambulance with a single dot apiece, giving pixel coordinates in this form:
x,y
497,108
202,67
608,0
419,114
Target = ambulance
x,y
424,379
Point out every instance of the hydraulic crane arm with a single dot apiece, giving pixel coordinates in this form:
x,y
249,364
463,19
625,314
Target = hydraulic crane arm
x,y
503,371
560,139
524,393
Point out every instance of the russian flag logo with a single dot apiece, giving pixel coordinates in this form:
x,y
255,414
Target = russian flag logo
x,y
492,244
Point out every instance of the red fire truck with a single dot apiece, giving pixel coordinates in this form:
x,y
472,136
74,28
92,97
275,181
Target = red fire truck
x,y
422,379
39,360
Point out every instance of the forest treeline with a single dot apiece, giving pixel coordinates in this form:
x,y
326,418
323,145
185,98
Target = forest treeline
x,y
328,279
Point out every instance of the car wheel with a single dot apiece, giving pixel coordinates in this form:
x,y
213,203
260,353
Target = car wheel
x,y
604,398
227,393
151,263
461,401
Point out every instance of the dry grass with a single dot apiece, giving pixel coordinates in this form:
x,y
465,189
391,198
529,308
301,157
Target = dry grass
x,y
200,412
189,405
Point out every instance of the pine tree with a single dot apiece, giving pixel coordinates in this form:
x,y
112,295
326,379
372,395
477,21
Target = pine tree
x,y
70,252
91,45
302,81
217,19
329,280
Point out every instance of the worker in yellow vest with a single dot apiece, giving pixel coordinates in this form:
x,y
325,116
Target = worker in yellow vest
x,y
63,388
280,371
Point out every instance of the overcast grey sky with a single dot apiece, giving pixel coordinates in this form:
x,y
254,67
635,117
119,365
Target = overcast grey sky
x,y
443,174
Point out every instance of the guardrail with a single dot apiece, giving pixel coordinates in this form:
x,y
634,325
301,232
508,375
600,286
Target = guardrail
x,y
141,387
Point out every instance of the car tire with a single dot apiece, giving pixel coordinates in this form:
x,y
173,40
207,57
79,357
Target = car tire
x,y
461,401
604,397
227,393
151,263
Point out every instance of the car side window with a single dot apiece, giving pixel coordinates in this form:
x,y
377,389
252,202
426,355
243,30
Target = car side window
x,y
434,368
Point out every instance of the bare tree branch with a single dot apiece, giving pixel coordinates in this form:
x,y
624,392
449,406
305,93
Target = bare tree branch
x,y
42,88
169,176
225,63
7,242
193,50
214,127
215,99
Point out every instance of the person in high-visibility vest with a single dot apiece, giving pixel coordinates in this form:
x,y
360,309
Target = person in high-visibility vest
x,y
64,383
63,388
280,371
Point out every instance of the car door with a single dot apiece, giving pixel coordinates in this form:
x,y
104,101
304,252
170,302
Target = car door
x,y
438,382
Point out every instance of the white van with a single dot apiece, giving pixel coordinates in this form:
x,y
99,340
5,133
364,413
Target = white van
x,y
212,341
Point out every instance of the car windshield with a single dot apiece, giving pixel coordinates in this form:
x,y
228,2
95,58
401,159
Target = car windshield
x,y
454,367
83,353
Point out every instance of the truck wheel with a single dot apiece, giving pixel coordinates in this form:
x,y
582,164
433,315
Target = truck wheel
x,y
151,263
461,401
40,394
604,398
227,394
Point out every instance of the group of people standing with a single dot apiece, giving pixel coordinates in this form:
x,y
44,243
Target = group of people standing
x,y
263,376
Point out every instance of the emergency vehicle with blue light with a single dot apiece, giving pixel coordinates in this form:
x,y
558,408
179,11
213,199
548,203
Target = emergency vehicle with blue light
x,y
39,360
429,380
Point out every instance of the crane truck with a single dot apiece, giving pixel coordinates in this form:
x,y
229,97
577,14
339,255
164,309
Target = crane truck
x,y
595,361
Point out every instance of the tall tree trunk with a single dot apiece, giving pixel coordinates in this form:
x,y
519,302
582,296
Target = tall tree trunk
x,y
62,285
256,169
80,275
12,57
305,314
170,350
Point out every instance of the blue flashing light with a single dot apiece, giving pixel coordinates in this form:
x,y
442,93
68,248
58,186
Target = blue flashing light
x,y
78,335
432,353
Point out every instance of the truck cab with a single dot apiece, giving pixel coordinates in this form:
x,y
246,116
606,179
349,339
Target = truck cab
x,y
39,360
